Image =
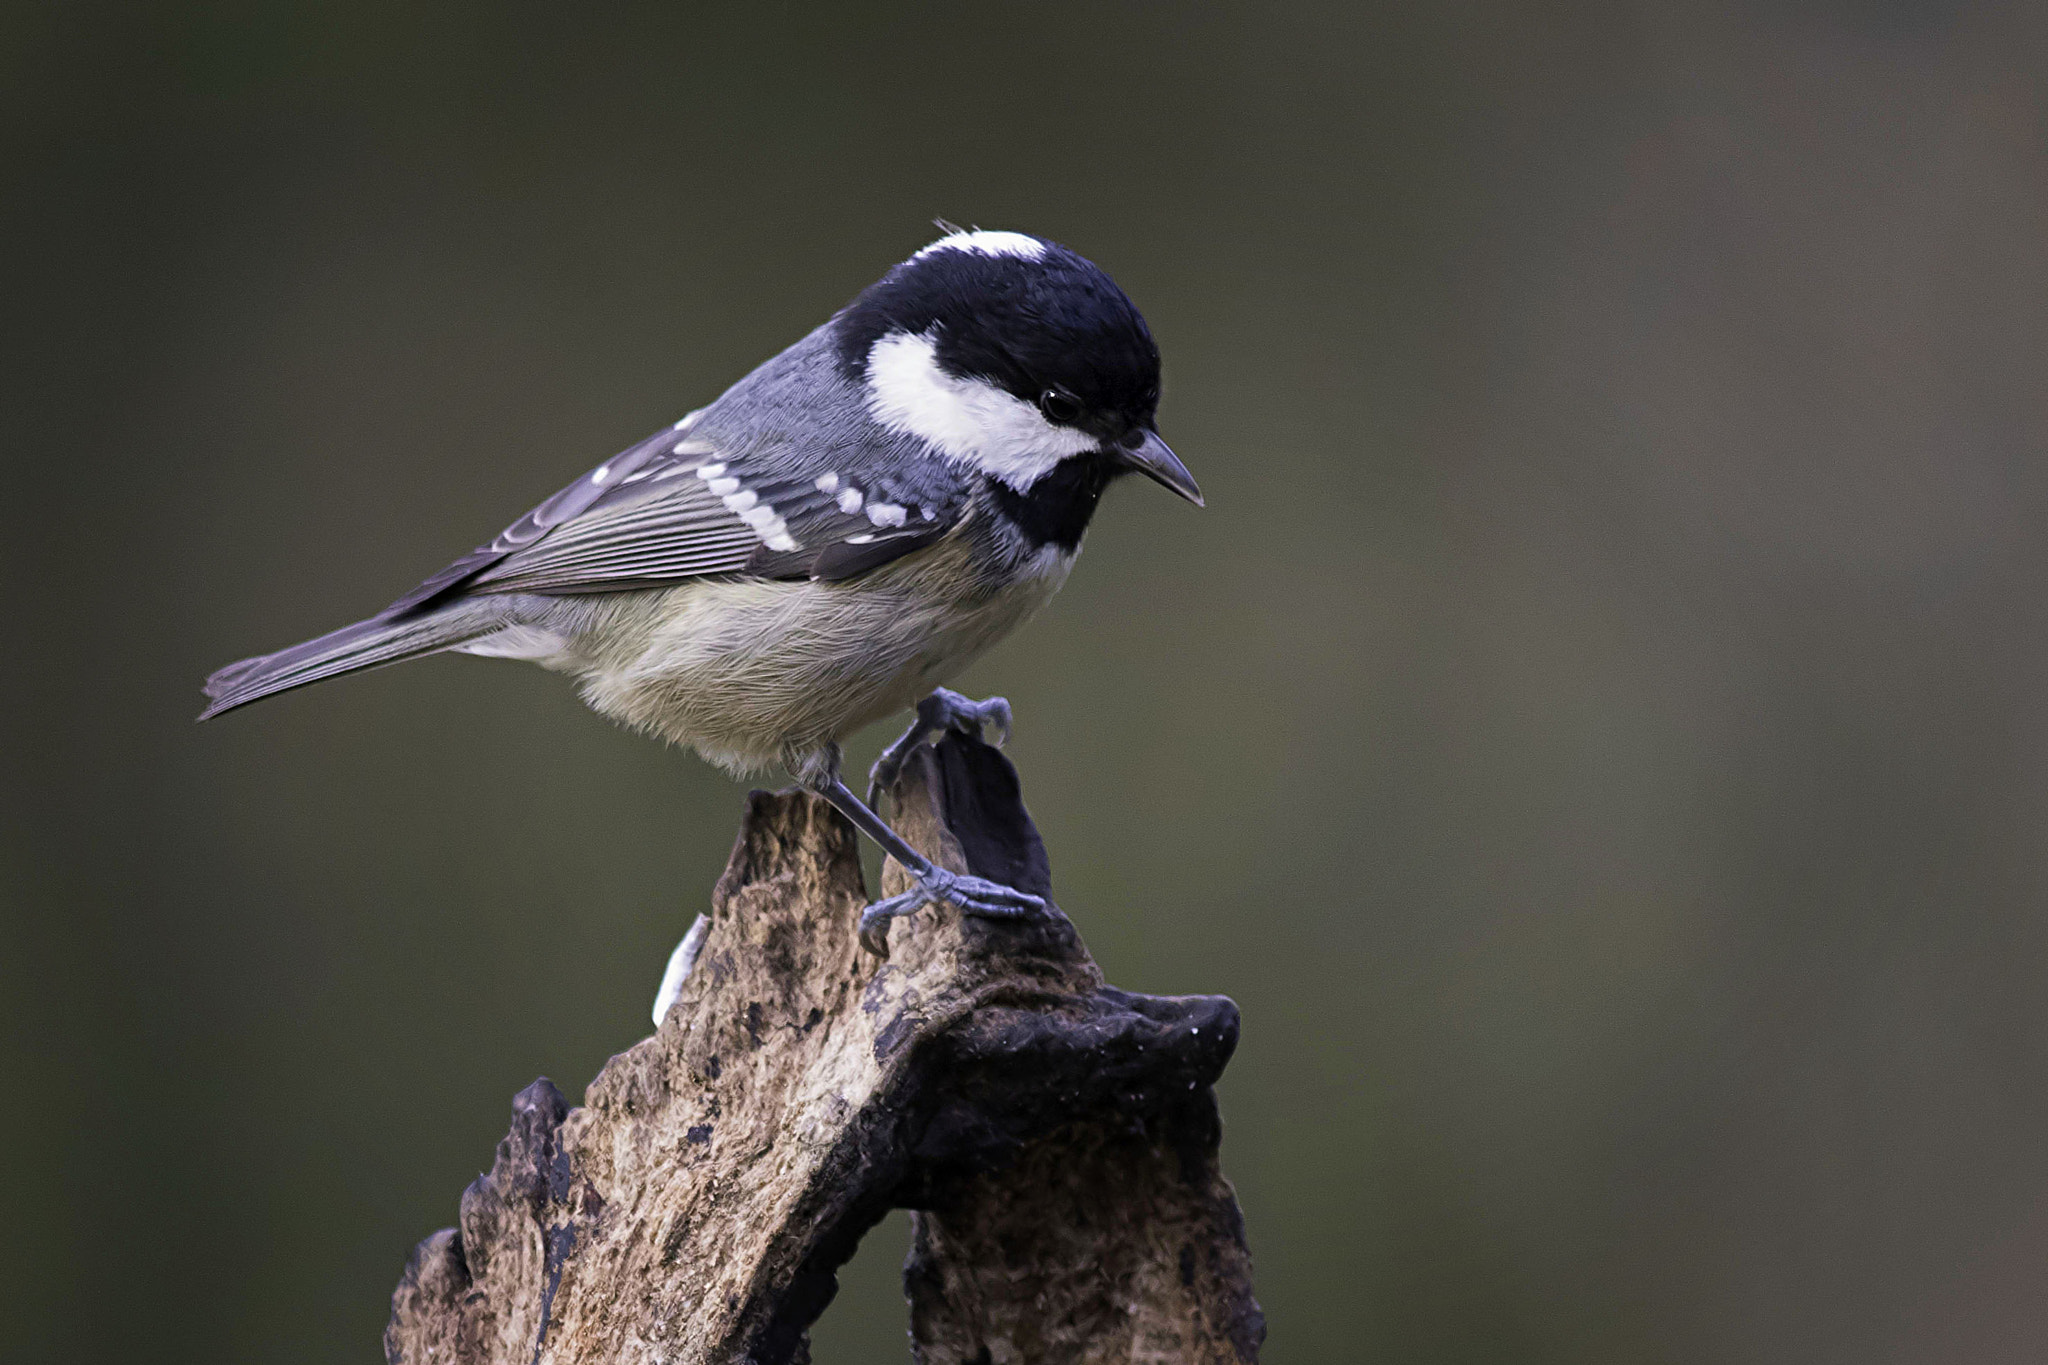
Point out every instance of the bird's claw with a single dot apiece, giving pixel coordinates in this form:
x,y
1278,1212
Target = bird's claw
x,y
942,711
970,717
972,895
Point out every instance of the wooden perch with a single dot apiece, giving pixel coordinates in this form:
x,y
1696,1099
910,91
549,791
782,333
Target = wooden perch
x,y
1055,1138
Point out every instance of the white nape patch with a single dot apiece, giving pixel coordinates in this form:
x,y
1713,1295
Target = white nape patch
x,y
849,501
828,483
516,642
886,514
679,964
987,244
969,421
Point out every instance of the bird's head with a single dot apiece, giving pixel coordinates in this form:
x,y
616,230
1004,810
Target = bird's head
x,y
1010,354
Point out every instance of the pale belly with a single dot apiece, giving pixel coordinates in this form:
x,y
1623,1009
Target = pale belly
x,y
754,675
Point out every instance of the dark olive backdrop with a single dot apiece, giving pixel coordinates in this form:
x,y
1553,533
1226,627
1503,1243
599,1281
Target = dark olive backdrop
x,y
1598,731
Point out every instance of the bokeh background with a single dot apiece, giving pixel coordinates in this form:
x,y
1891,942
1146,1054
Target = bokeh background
x,y
1598,731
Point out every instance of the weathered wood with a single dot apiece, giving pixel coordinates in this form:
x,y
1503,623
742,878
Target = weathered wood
x,y
1056,1138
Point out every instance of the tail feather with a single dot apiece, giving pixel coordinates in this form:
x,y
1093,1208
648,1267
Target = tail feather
x,y
366,644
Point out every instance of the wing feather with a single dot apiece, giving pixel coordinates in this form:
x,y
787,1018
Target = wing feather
x,y
674,507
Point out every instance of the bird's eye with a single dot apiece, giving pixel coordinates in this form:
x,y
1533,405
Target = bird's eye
x,y
1059,406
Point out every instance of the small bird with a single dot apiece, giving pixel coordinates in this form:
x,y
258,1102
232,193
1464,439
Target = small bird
x,y
834,537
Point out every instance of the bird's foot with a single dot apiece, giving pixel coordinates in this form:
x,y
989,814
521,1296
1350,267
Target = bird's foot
x,y
973,895
943,710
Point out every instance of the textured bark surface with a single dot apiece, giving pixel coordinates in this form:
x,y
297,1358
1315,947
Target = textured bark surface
x,y
1056,1137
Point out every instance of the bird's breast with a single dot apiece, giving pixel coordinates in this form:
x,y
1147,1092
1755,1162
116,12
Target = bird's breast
x,y
747,671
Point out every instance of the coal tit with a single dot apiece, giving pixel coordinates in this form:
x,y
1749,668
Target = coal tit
x,y
838,534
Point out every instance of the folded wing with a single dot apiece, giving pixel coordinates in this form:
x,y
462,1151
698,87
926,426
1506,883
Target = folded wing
x,y
675,507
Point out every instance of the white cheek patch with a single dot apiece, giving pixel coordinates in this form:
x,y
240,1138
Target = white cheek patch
x,y
987,244
969,421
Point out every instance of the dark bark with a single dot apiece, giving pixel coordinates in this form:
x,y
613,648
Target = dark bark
x,y
1056,1138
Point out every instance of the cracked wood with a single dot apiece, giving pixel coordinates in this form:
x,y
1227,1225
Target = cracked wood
x,y
1057,1139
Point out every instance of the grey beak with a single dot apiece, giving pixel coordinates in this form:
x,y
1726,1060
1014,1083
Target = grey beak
x,y
1152,458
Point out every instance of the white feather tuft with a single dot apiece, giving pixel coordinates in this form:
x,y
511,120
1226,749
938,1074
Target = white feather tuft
x,y
679,964
987,244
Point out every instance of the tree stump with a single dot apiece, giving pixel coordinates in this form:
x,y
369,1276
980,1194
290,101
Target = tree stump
x,y
1055,1138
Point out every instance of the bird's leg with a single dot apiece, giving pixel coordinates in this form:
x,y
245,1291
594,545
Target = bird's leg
x,y
973,895
943,710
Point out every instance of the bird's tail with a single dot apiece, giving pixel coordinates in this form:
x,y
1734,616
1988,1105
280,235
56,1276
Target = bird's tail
x,y
366,644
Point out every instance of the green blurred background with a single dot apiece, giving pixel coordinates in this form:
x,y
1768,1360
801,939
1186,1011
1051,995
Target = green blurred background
x,y
1596,731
